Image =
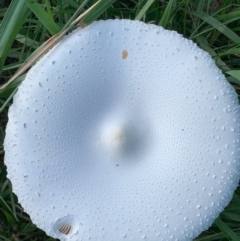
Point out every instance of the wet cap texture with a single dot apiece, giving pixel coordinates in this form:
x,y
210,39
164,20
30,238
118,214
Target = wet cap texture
x,y
124,131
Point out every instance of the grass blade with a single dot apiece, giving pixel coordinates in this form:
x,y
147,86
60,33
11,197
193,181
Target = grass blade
x,y
213,237
45,18
144,9
235,51
72,3
10,26
166,15
232,216
75,15
235,74
224,19
219,26
204,45
48,7
4,238
100,7
10,214
229,17
229,233
7,101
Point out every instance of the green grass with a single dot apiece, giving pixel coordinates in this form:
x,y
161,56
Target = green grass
x,y
27,24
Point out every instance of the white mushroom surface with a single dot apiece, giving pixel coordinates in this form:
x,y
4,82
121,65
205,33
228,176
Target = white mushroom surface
x,y
124,131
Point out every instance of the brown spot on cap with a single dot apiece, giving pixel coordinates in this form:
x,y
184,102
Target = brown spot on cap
x,y
124,54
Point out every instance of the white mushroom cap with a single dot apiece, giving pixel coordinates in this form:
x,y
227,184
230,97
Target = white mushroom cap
x,y
124,131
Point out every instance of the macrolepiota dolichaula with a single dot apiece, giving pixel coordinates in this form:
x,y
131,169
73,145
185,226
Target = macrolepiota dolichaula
x,y
124,131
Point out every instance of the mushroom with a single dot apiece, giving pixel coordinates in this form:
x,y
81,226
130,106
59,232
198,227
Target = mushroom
x,y
124,131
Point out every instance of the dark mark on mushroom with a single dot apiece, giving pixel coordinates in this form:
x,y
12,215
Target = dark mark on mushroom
x,y
65,228
82,25
67,225
124,54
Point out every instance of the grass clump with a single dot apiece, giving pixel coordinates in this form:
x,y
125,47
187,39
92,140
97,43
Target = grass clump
x,y
28,28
